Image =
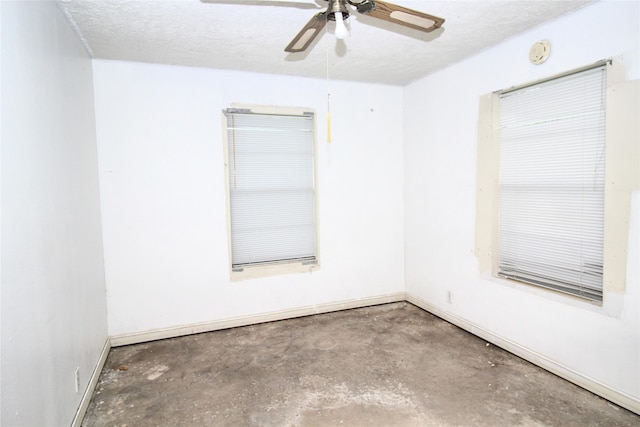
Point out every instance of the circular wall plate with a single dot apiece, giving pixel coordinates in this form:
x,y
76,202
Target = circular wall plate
x,y
539,52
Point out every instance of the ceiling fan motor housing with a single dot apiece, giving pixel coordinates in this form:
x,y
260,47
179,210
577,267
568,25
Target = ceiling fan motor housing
x,y
336,6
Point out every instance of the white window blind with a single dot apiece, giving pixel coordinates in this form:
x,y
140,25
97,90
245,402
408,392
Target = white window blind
x,y
271,187
552,159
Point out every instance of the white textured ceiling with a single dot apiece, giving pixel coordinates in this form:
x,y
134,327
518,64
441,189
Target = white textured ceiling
x,y
250,35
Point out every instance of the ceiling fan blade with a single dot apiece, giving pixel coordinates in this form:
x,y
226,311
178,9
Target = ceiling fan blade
x,y
400,15
281,3
308,33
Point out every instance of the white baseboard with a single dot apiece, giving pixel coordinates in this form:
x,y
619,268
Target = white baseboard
x,y
626,401
158,334
93,381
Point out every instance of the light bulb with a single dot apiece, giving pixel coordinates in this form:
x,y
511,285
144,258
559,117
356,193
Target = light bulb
x,y
341,29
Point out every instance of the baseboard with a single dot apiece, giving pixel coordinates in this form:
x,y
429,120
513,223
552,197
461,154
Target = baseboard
x,y
157,334
93,381
626,401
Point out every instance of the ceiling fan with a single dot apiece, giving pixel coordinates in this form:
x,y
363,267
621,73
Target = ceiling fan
x,y
338,11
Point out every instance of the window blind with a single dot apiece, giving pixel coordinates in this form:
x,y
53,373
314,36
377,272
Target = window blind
x,y
271,187
552,166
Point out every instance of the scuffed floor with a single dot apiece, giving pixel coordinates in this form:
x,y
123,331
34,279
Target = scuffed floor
x,y
389,365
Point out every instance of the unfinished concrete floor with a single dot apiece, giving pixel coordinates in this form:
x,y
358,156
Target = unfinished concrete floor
x,y
388,365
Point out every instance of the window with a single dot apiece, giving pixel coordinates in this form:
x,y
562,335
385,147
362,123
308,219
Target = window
x,y
271,187
551,183
621,182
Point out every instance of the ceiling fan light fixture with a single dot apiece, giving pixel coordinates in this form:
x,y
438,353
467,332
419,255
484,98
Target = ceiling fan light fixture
x,y
341,29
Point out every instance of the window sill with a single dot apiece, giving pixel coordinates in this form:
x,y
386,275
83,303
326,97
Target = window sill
x,y
268,270
611,306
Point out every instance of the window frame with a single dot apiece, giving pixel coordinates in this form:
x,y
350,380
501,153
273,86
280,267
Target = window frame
x,y
542,133
266,269
621,180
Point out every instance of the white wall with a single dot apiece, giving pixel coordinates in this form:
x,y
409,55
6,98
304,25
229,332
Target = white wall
x,y
53,288
1,37
163,196
441,121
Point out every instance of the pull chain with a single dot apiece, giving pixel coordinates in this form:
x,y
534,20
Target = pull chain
x,y
328,91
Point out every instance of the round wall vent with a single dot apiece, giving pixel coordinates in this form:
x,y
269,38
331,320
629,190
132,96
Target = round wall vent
x,y
539,52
